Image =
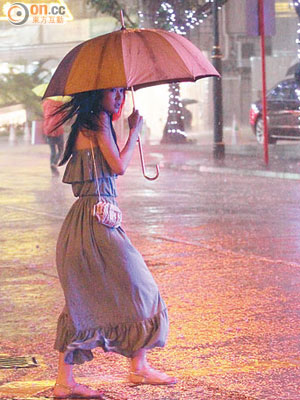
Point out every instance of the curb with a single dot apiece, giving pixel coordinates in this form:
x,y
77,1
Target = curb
x,y
232,171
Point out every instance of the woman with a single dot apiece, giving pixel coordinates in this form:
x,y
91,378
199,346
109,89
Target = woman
x,y
111,298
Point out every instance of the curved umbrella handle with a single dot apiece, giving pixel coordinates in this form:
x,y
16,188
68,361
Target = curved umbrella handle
x,y
141,150
143,163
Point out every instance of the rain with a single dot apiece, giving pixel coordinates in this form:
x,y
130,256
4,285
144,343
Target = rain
x,y
218,229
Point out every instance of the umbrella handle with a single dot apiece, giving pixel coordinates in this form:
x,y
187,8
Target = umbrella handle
x,y
143,163
141,150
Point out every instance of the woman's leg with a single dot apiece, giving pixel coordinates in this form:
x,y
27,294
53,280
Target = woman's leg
x,y
53,156
139,361
51,142
66,386
65,372
141,372
60,148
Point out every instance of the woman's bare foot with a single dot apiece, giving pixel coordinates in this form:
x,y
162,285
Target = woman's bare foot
x,y
150,376
142,373
75,391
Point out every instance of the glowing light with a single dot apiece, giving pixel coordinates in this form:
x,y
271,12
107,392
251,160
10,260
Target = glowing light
x,y
166,18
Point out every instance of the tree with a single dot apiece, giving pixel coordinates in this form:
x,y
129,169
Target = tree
x,y
16,88
180,16
113,7
185,11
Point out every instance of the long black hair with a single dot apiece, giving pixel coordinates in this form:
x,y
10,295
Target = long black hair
x,y
86,107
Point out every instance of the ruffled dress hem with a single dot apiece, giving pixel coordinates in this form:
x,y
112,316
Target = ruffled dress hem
x,y
112,300
124,339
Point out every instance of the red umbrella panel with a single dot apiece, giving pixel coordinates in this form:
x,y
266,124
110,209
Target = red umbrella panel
x,y
130,58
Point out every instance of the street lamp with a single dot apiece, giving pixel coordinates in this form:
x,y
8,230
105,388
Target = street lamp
x,y
219,147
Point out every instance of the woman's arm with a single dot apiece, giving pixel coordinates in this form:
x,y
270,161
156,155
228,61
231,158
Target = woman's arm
x,y
118,161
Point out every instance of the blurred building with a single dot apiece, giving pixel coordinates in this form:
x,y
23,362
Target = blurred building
x,y
27,43
22,46
242,60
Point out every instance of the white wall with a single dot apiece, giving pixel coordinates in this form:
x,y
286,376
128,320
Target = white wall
x,y
276,68
152,103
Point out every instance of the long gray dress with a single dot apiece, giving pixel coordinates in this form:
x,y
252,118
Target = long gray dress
x,y
111,298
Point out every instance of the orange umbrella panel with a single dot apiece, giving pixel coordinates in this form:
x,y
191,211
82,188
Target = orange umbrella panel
x,y
129,58
99,65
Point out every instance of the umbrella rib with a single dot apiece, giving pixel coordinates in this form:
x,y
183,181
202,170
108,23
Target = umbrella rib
x,y
189,77
129,58
176,51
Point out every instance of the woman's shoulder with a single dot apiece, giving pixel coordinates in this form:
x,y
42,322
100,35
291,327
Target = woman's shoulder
x,y
104,125
104,120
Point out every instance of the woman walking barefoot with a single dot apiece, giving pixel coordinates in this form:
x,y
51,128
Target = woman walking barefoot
x,y
111,298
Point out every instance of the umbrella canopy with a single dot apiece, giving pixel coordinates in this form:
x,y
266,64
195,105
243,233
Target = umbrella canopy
x,y
40,90
130,58
186,102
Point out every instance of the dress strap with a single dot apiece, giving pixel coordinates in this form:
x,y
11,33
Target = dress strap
x,y
95,169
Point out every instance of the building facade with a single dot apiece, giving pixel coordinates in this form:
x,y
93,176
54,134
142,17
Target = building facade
x,y
22,46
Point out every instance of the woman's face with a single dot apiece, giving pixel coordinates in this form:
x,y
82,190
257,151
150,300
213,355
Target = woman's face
x,y
112,99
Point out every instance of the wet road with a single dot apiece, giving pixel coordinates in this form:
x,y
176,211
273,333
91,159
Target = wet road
x,y
224,250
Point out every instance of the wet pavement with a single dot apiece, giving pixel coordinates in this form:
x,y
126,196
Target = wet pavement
x,y
222,241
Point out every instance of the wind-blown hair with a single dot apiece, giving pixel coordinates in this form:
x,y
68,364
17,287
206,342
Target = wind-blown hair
x,y
85,107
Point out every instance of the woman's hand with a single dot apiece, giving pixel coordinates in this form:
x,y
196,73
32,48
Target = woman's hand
x,y
118,161
135,122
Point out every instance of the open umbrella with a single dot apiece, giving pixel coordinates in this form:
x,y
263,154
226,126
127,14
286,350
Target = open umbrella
x,y
40,90
130,58
186,102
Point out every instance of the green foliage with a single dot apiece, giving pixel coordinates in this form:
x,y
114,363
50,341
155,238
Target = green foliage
x,y
180,8
154,10
16,88
113,7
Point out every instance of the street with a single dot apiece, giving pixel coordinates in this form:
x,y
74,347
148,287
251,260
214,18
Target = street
x,y
223,248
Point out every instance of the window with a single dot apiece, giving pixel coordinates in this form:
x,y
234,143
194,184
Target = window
x,y
295,91
283,91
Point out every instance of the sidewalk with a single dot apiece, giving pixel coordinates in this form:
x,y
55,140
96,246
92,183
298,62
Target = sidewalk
x,y
234,311
247,159
240,159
